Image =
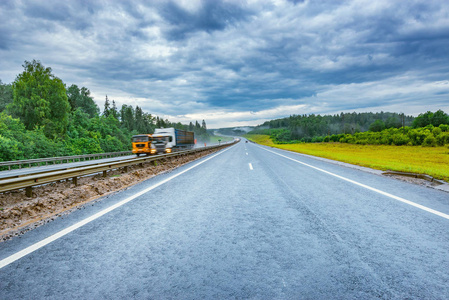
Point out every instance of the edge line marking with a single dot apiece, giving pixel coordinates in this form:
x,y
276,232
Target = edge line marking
x,y
425,208
30,249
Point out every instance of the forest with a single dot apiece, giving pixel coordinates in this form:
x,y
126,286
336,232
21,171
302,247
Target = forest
x,y
384,128
41,117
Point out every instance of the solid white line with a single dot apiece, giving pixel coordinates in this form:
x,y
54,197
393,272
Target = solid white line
x,y
250,166
435,212
63,232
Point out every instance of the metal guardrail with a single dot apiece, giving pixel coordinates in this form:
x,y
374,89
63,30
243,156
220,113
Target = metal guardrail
x,y
29,181
40,161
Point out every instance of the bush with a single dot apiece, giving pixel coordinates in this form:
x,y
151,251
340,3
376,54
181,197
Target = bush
x,y
112,144
444,127
9,149
430,141
83,146
436,131
443,138
400,139
281,136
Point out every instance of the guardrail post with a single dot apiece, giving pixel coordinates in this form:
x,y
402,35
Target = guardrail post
x,y
105,173
75,180
29,191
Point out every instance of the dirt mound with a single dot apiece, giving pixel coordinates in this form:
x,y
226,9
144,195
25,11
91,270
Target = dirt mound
x,y
19,213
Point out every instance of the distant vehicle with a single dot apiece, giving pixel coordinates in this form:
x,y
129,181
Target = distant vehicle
x,y
167,140
142,144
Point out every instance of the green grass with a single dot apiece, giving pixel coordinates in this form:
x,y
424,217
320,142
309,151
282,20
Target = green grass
x,y
433,161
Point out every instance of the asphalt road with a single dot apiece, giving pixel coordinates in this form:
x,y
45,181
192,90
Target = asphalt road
x,y
250,222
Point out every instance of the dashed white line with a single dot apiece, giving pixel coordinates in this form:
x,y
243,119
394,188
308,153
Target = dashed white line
x,y
48,240
251,166
425,208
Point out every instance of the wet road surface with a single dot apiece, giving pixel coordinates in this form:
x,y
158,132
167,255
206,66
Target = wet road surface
x,y
248,222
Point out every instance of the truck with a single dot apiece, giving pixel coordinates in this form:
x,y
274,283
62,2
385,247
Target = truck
x,y
143,144
167,140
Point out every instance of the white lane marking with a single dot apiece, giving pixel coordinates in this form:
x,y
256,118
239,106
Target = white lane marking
x,y
48,240
435,212
251,166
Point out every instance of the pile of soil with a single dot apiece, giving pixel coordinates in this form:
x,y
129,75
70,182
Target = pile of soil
x,y
19,213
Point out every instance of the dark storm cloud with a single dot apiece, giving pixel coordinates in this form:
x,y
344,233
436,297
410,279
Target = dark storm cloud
x,y
280,57
212,15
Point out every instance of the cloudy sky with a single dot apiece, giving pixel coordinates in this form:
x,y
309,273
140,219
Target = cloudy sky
x,y
240,62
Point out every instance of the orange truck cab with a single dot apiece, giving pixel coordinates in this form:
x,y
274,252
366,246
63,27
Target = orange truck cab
x,y
142,144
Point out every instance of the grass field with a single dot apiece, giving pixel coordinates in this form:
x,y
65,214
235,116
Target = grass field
x,y
433,161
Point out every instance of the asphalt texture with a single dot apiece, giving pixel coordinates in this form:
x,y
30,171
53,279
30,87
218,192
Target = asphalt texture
x,y
245,224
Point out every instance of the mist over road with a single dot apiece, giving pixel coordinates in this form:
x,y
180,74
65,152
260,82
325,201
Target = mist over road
x,y
247,222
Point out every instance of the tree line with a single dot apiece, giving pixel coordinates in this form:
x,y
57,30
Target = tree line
x,y
428,129
41,117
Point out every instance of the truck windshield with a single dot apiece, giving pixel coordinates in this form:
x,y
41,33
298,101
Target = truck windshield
x,y
139,139
160,139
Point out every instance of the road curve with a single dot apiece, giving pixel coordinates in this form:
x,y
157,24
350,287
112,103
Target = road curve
x,y
248,222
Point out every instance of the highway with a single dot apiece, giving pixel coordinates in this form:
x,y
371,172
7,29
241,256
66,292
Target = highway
x,y
247,222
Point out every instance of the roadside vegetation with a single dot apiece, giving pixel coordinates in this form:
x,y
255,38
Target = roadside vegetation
x,y
41,117
420,148
433,161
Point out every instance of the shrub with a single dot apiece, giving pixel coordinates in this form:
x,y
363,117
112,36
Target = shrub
x,y
443,138
9,149
444,127
112,144
436,131
400,139
430,141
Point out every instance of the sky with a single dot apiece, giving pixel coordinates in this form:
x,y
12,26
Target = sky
x,y
236,63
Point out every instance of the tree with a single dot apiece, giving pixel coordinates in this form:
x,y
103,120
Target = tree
x,y
393,122
114,110
430,118
80,98
107,107
377,126
204,125
6,95
127,117
40,99
439,117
